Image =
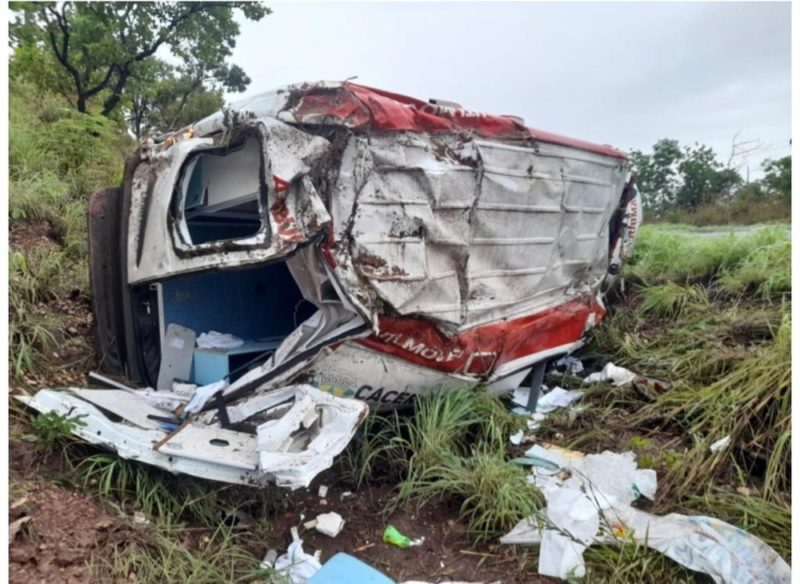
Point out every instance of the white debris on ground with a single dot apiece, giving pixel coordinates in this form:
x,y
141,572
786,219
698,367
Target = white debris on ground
x,y
570,364
330,524
557,397
589,500
516,438
720,444
617,375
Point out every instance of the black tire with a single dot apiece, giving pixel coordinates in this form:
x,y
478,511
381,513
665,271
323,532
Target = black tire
x,y
105,277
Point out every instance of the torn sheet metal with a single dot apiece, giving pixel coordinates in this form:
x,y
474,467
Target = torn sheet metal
x,y
300,430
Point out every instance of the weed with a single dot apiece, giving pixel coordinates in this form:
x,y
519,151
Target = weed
x,y
495,494
53,430
165,555
634,563
149,490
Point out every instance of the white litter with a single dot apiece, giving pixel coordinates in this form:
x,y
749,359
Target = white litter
x,y
617,375
218,340
571,364
516,439
330,524
589,501
720,444
296,565
558,397
522,393
323,491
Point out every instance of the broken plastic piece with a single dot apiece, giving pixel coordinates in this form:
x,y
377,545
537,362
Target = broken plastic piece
x,y
330,524
345,568
393,536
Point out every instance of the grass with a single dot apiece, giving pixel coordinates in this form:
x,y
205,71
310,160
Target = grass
x,y
164,554
711,317
147,489
672,300
57,158
452,450
634,563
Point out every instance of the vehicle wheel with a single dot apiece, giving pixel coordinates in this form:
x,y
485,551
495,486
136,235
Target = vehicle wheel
x,y
106,278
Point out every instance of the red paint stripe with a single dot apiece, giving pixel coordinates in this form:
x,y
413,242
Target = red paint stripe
x,y
480,350
359,106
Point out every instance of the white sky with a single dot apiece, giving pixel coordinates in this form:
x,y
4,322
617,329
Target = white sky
x,y
624,74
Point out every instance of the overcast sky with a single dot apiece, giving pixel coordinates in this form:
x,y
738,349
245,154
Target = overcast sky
x,y
616,73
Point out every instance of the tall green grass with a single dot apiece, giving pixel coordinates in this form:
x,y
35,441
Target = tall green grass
x,y
57,158
739,262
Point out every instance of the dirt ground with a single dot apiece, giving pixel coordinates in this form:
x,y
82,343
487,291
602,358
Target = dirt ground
x,y
66,527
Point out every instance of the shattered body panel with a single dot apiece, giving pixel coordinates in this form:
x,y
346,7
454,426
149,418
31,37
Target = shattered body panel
x,y
428,245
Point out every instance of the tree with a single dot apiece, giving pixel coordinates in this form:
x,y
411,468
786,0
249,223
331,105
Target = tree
x,y
656,174
778,176
703,179
178,96
100,49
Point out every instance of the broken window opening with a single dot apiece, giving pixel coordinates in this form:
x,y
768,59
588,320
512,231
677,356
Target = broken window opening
x,y
220,193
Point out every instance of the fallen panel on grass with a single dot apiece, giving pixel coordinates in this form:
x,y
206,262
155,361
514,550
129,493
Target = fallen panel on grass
x,y
291,435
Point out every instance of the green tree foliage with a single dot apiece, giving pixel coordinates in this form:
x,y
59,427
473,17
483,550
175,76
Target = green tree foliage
x,y
778,177
657,173
672,177
173,101
95,53
703,178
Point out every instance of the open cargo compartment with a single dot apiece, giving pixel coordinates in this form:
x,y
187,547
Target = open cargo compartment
x,y
365,247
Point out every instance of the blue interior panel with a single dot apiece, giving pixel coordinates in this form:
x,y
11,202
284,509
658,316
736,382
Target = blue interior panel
x,y
253,304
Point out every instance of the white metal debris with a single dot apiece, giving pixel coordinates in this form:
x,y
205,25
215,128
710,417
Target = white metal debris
x,y
202,447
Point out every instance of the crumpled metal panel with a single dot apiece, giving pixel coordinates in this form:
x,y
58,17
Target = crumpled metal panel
x,y
468,231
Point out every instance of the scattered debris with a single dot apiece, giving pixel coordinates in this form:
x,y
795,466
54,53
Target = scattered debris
x,y
296,565
269,558
140,518
589,501
299,431
720,444
570,364
393,536
516,439
617,375
330,524
322,492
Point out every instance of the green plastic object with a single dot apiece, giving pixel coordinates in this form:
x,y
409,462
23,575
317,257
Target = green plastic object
x,y
393,536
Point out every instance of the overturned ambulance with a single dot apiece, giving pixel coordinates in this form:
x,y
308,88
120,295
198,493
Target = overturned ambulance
x,y
269,271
